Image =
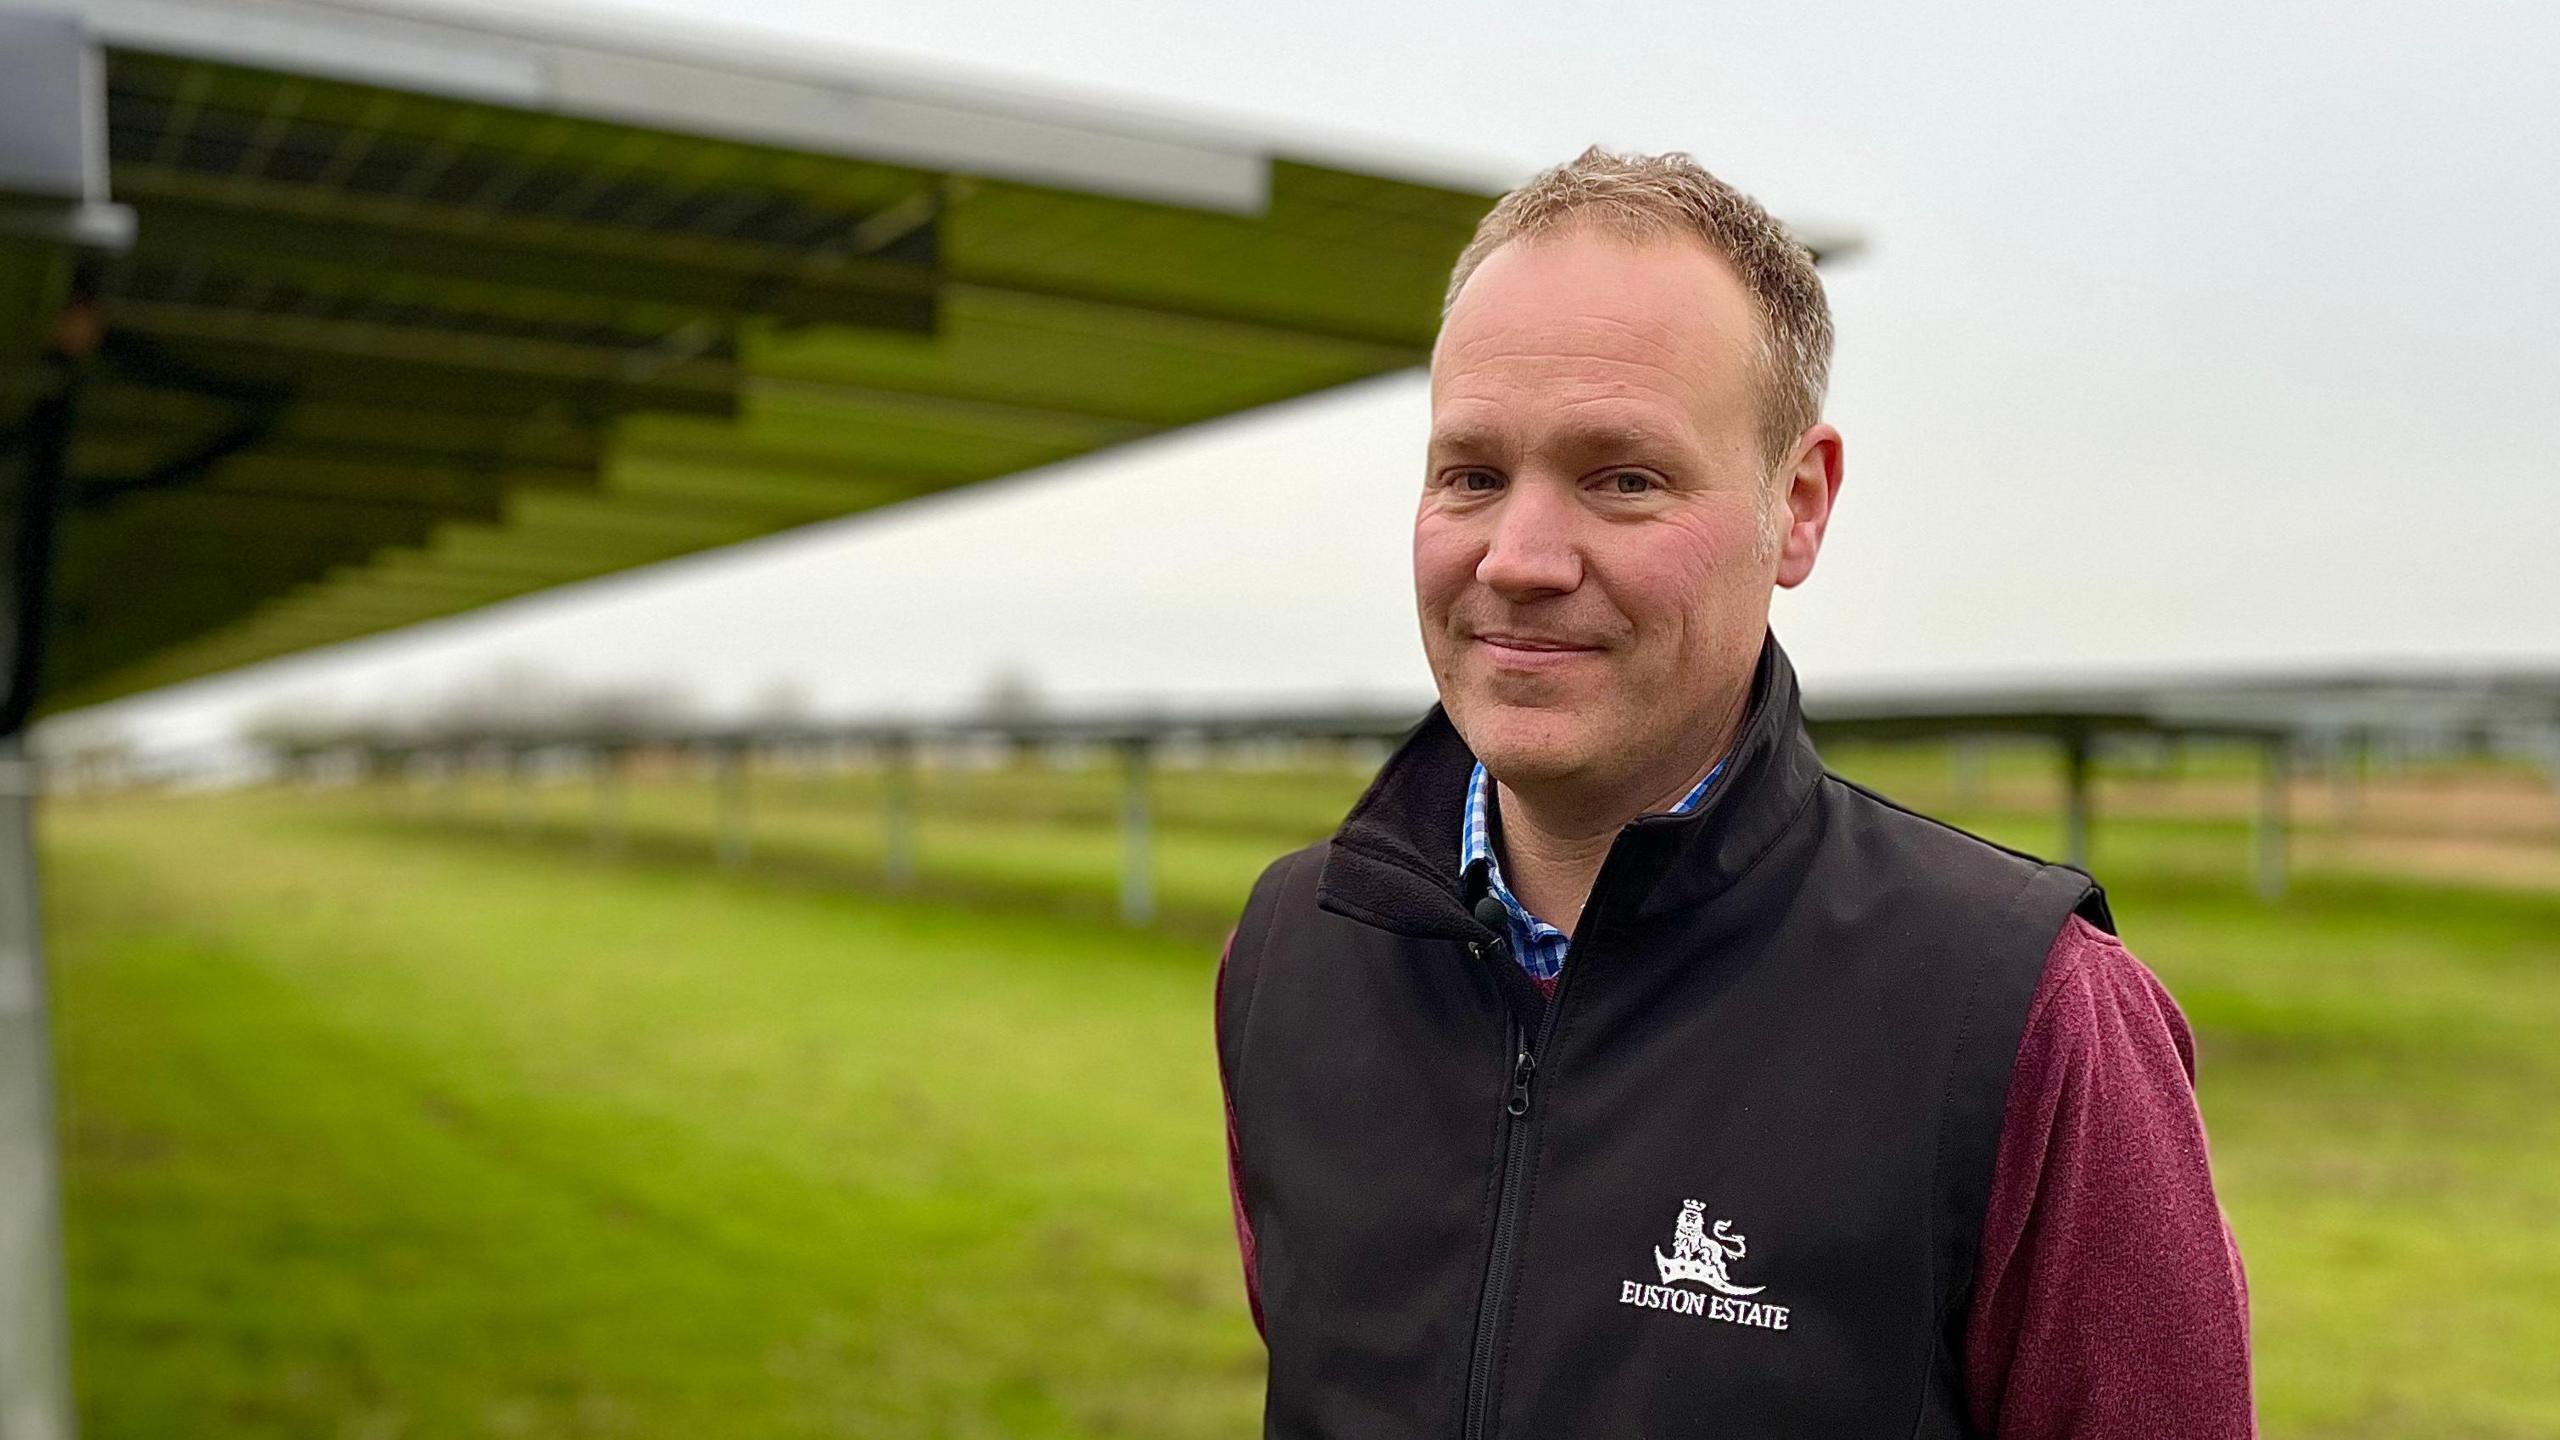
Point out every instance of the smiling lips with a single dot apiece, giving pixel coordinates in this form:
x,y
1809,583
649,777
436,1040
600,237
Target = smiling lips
x,y
1531,652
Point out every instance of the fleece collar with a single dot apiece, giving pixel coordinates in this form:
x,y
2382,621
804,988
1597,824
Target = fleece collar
x,y
1394,861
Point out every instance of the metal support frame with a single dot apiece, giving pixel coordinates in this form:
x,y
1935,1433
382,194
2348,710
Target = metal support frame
x,y
1137,856
2347,766
1970,756
898,812
609,761
35,1351
2076,803
599,71
519,793
2551,754
2268,830
731,781
35,1344
43,486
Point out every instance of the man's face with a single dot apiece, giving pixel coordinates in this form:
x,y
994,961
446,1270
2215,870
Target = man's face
x,y
1588,557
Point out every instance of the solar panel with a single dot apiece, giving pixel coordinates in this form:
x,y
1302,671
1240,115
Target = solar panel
x,y
382,351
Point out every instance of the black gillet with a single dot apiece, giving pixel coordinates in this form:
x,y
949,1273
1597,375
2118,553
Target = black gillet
x,y
1796,1006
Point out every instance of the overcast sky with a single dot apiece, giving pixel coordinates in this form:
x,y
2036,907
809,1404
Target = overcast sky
x,y
2189,336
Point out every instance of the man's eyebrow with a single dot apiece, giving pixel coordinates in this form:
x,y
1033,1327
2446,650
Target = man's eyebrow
x,y
1465,440
1607,436
1603,437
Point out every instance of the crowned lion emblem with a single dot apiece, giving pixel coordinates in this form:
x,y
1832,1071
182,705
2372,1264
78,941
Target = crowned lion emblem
x,y
1700,1255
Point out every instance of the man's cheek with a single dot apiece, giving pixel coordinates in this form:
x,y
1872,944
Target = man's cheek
x,y
1435,588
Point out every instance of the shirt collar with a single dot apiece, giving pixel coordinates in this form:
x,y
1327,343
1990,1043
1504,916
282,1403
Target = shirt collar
x,y
1538,945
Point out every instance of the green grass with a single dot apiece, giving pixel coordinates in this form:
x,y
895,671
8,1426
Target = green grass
x,y
371,1132
384,1119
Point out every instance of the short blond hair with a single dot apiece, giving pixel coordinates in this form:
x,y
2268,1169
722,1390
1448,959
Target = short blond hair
x,y
1651,197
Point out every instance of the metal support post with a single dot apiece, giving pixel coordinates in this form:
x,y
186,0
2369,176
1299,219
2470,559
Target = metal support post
x,y
519,792
2551,756
2346,778
35,1351
1137,860
732,781
2269,830
51,110
1969,754
2075,797
35,1345
898,810
608,763
374,768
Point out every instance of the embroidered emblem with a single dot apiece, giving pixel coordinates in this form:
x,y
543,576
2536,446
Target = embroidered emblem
x,y
1699,1254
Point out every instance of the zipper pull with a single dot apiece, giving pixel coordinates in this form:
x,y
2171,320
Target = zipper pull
x,y
1521,1070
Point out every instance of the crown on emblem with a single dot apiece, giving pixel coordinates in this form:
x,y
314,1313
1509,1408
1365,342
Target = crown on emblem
x,y
1693,1205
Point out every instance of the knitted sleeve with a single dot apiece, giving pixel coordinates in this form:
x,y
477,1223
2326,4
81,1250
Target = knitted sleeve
x,y
2109,1299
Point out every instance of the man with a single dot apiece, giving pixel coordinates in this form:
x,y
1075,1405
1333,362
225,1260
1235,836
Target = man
x,y
1616,1070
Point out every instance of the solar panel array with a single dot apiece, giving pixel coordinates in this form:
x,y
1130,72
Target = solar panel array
x,y
377,356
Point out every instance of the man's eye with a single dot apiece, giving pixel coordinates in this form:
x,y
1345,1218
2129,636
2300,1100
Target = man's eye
x,y
1630,482
1469,480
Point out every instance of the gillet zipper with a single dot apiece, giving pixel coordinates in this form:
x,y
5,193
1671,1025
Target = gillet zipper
x,y
1502,1262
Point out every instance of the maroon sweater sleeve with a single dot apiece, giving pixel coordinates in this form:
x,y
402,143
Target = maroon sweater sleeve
x,y
2109,1301
1235,1176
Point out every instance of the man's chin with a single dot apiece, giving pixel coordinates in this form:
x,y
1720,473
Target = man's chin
x,y
1524,745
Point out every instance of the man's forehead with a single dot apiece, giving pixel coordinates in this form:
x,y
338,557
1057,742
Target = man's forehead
x,y
1590,282
1599,312
1553,328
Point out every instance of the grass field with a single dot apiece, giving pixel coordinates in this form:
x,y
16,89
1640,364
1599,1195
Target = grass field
x,y
408,1115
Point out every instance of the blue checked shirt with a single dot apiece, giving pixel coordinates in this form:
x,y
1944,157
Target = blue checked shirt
x,y
1539,945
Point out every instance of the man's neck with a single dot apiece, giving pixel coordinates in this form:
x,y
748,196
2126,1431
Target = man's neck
x,y
1554,838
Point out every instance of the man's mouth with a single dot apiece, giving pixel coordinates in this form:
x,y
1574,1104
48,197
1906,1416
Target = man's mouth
x,y
1531,652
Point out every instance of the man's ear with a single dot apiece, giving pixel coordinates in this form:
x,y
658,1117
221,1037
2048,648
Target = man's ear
x,y
1812,487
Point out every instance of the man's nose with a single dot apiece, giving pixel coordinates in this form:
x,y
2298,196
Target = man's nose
x,y
1529,548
